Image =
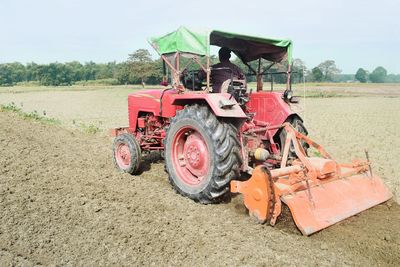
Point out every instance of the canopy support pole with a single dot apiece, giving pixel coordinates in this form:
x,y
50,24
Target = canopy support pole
x,y
176,73
288,81
208,74
201,65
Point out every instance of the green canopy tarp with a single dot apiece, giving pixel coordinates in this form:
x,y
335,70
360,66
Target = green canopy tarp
x,y
247,48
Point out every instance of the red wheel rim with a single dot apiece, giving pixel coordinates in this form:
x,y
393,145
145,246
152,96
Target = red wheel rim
x,y
123,155
190,156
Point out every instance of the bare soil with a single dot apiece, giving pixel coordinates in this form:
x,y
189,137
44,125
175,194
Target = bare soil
x,y
62,202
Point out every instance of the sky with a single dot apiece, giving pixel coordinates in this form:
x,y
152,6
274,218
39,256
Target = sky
x,y
358,33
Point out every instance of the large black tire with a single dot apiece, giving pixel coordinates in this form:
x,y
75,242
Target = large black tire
x,y
127,154
224,157
298,125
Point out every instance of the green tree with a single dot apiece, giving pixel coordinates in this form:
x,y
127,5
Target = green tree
x,y
18,72
55,74
361,75
141,65
393,78
317,75
157,73
123,73
106,71
378,75
298,69
75,70
281,77
5,75
89,71
12,73
46,74
64,74
32,72
329,69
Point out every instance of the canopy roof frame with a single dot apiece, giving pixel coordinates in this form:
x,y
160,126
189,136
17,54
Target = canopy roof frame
x,y
246,47
197,44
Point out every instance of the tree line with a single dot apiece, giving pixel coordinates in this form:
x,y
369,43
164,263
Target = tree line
x,y
137,69
141,68
328,72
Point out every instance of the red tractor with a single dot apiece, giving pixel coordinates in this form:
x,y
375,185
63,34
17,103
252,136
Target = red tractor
x,y
237,140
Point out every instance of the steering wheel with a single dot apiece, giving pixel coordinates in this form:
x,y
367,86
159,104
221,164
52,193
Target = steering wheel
x,y
190,79
237,89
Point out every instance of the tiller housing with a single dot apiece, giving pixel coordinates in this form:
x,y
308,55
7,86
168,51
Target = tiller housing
x,y
318,191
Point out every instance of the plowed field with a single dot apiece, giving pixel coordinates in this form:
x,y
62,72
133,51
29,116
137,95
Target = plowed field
x,y
63,203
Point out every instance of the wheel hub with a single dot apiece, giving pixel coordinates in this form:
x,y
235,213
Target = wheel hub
x,y
123,155
193,156
195,152
190,156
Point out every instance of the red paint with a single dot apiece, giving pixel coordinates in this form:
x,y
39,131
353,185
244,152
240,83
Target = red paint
x,y
190,156
123,155
141,122
148,101
269,108
213,101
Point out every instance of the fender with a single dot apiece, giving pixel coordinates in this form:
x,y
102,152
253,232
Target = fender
x,y
220,103
147,101
150,101
269,107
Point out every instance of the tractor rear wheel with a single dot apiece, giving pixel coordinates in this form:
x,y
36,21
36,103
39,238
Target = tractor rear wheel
x,y
127,154
202,155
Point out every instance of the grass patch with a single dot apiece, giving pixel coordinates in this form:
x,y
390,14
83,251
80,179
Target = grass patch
x,y
314,152
90,128
322,94
10,107
100,82
35,116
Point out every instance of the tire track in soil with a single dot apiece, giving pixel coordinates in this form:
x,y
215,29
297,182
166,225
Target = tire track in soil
x,y
62,202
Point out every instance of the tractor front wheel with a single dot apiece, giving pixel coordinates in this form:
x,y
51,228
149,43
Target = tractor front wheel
x,y
127,153
298,126
202,154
